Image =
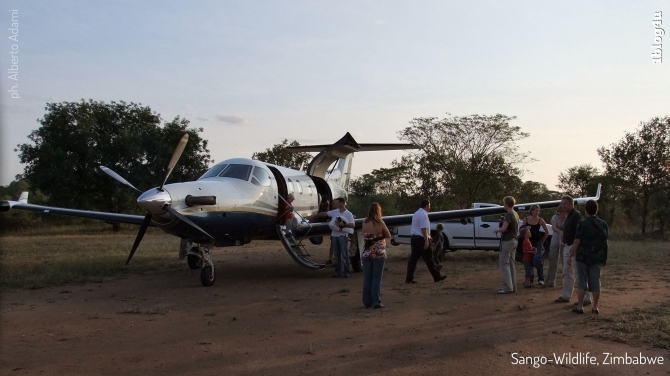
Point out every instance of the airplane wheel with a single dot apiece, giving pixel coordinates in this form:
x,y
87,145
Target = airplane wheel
x,y
207,276
194,262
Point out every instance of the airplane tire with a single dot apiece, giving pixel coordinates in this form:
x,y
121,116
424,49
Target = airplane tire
x,y
194,262
207,277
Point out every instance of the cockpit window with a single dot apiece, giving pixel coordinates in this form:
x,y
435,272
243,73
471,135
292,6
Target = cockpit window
x,y
261,177
236,171
214,171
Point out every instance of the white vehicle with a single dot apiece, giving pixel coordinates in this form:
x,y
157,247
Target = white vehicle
x,y
470,233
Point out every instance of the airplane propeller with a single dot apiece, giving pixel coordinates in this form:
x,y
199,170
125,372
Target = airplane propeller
x,y
191,200
118,177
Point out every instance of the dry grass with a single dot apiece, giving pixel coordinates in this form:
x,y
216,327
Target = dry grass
x,y
650,325
62,256
40,261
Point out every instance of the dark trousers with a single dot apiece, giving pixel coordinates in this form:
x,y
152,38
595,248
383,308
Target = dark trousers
x,y
418,252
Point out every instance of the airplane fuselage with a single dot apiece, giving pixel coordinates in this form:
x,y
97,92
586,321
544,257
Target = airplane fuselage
x,y
249,201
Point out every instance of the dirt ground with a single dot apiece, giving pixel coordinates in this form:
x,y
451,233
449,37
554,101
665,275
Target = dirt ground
x,y
267,316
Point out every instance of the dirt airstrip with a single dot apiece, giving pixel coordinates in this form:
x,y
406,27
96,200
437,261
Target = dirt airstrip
x,y
267,316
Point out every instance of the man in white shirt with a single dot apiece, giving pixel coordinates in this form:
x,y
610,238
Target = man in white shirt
x,y
343,227
421,244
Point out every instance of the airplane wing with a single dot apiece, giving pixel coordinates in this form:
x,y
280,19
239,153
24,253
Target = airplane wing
x,y
320,229
111,217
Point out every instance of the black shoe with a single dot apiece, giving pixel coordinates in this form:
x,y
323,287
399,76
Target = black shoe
x,y
379,306
336,276
442,278
410,282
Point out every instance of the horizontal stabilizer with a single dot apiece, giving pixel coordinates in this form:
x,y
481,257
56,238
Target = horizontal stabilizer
x,y
362,147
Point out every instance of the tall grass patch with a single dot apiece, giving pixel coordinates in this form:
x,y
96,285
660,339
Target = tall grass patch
x,y
40,261
626,252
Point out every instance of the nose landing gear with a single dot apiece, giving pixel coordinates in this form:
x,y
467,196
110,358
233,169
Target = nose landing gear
x,y
199,257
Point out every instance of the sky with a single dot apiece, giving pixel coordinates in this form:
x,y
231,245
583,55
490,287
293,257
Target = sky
x,y
576,75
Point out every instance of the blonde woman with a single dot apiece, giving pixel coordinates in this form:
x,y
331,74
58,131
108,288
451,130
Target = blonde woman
x,y
374,256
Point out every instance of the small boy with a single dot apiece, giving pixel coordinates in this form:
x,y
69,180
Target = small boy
x,y
528,253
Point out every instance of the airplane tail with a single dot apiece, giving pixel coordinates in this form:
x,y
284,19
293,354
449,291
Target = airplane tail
x,y
340,152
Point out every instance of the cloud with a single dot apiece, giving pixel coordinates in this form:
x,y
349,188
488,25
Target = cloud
x,y
202,119
232,119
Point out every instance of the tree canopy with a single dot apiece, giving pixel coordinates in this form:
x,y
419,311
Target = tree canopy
x,y
75,138
463,158
575,181
638,166
278,155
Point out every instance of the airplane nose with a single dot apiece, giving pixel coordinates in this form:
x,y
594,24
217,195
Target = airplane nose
x,y
153,201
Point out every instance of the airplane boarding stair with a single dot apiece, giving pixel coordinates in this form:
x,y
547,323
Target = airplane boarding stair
x,y
296,249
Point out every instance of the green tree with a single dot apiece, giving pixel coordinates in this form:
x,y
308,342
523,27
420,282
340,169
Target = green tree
x,y
279,156
576,179
637,163
464,159
77,137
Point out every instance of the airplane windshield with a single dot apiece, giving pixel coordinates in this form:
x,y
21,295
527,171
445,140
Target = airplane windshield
x,y
214,171
236,171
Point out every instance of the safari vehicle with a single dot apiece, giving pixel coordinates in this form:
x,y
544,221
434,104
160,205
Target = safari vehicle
x,y
466,233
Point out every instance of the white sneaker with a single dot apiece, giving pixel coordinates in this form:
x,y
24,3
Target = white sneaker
x,y
541,283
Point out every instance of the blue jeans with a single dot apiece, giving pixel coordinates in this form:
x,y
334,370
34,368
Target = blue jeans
x,y
528,268
373,268
340,253
538,264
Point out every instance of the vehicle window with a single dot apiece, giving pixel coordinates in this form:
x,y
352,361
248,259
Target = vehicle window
x,y
289,185
214,171
261,176
236,171
491,218
299,186
309,189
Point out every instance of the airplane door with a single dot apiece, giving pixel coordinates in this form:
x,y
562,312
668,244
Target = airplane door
x,y
282,190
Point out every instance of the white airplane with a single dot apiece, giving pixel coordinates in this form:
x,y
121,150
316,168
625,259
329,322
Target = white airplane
x,y
239,200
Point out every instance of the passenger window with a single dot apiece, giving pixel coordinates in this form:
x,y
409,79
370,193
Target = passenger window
x,y
299,186
237,171
261,176
289,185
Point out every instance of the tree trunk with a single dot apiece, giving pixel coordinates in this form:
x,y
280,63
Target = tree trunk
x,y
116,227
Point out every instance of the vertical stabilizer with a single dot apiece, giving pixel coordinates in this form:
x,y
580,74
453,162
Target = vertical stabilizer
x,y
24,197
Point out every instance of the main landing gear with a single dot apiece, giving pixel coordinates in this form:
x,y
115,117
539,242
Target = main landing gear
x,y
199,257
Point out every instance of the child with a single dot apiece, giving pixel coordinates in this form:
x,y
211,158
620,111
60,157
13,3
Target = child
x,y
528,253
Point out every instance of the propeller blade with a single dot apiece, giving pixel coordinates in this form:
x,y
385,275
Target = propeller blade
x,y
118,178
183,218
140,235
175,158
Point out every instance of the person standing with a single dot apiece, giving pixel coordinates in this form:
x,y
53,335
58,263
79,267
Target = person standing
x,y
572,218
508,243
534,222
375,234
420,243
528,254
590,251
343,222
556,247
